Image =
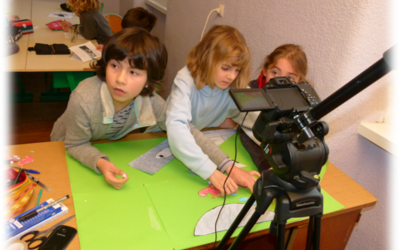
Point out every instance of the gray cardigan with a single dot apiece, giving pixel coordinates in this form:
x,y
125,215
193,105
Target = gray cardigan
x,y
94,26
90,113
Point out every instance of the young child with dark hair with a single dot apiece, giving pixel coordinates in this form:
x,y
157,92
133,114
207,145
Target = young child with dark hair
x,y
93,25
136,17
120,99
139,17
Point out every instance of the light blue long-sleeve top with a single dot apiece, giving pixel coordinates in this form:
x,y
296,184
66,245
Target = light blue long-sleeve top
x,y
203,108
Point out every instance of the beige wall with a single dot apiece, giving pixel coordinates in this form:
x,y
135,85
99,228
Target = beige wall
x,y
341,39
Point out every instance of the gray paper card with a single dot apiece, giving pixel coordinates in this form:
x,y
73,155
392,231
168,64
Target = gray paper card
x,y
153,160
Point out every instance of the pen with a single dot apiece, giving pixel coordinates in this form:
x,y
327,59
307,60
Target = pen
x,y
38,199
35,212
31,171
16,178
38,182
67,23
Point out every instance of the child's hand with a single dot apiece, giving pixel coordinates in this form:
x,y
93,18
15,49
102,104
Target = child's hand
x,y
100,47
218,179
110,171
228,123
65,26
243,178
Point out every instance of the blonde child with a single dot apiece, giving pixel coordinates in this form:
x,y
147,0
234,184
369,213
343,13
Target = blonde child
x,y
200,95
93,25
287,60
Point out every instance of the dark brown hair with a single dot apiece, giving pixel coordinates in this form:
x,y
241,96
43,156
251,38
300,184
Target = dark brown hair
x,y
143,51
139,17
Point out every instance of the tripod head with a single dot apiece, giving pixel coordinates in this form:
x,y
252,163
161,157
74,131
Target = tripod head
x,y
288,127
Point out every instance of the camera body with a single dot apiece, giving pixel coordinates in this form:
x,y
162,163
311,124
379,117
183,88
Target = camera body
x,y
292,141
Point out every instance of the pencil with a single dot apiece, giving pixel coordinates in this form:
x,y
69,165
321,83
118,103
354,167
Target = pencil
x,y
68,24
38,198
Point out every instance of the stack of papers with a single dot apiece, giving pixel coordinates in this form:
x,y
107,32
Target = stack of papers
x,y
84,52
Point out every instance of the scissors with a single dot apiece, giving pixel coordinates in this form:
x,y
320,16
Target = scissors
x,y
35,239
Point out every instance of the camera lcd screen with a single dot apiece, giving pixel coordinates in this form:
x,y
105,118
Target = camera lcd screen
x,y
251,99
288,98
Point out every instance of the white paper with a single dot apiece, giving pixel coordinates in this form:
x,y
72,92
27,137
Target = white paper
x,y
84,52
206,224
62,15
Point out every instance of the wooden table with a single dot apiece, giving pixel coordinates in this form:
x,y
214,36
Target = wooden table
x,y
28,61
336,227
22,8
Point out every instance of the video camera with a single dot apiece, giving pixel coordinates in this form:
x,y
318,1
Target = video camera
x,y
292,138
293,142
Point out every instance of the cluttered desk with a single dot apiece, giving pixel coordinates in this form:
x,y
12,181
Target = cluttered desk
x,y
41,13
167,205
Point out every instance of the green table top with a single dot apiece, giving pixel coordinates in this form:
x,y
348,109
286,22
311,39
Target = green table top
x,y
157,211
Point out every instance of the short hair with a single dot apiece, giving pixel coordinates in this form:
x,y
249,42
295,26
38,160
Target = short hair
x,y
139,17
79,6
294,53
219,44
143,51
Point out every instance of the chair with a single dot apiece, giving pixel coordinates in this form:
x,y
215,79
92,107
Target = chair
x,y
64,80
114,21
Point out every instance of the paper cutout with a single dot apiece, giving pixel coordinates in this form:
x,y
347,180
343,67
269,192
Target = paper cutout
x,y
206,224
243,199
26,160
209,190
166,152
149,162
156,158
220,135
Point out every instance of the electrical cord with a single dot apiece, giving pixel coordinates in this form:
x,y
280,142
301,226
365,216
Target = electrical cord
x,y
230,171
205,25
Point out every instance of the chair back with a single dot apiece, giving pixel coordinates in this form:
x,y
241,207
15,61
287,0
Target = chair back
x,y
114,21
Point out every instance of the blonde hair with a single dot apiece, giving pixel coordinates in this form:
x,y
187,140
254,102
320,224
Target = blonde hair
x,y
294,53
219,44
79,6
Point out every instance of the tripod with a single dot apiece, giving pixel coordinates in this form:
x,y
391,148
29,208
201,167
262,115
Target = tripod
x,y
304,199
290,203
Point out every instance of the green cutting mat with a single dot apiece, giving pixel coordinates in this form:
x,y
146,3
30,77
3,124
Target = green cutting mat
x,y
165,206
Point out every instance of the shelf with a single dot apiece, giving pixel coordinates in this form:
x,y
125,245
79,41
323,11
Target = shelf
x,y
160,5
380,134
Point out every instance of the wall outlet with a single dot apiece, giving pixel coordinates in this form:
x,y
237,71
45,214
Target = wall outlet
x,y
221,10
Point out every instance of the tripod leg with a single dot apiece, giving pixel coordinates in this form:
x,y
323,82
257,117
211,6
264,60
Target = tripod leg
x,y
280,240
317,232
237,221
310,233
246,229
314,232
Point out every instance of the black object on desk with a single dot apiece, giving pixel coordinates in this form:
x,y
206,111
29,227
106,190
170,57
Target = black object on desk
x,y
36,239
